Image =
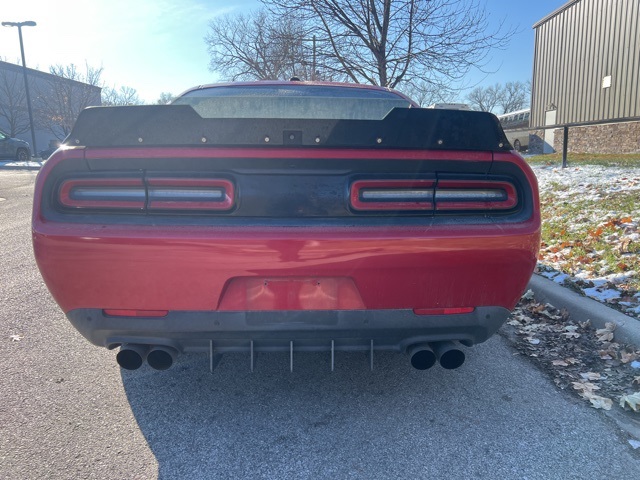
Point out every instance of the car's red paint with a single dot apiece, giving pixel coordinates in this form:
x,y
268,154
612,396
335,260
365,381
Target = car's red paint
x,y
140,267
320,153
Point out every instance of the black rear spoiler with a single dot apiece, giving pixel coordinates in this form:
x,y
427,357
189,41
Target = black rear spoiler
x,y
180,125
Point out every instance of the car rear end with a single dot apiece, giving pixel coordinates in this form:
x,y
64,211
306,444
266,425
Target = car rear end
x,y
163,231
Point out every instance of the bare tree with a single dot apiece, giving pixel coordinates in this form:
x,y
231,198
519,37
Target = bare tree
x,y
395,42
426,94
165,98
485,99
119,97
514,96
509,97
64,96
13,103
258,46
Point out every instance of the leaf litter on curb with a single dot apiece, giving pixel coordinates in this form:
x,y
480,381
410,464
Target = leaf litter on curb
x,y
579,358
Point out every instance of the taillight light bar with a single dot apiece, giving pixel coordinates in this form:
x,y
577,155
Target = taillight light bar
x,y
475,195
392,194
119,193
190,194
152,194
433,195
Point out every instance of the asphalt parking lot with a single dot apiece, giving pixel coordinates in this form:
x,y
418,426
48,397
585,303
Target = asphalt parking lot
x,y
67,411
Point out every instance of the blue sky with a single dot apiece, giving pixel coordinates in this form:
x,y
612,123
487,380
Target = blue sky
x,y
157,46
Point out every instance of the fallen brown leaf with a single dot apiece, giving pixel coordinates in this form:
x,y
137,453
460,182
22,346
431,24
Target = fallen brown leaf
x,y
632,401
585,386
599,402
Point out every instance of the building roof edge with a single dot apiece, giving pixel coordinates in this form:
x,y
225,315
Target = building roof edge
x,y
39,73
555,12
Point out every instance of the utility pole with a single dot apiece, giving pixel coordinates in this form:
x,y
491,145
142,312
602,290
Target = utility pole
x,y
26,82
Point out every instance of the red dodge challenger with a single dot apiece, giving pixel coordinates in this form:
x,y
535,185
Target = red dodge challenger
x,y
286,216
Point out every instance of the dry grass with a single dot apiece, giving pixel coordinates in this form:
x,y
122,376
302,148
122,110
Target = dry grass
x,y
582,235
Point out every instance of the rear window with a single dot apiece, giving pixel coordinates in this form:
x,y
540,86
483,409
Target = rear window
x,y
293,101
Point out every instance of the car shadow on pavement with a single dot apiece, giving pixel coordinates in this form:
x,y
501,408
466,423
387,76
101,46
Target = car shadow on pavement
x,y
485,419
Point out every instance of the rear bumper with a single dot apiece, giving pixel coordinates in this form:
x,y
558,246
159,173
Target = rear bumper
x,y
191,269
321,330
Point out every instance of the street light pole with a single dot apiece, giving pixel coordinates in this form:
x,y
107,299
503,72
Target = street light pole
x,y
24,71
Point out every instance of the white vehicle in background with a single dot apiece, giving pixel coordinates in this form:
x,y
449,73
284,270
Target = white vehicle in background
x,y
516,128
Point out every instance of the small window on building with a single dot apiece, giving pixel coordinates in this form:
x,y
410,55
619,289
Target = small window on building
x,y
606,82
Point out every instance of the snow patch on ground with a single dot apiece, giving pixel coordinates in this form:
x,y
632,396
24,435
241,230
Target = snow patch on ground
x,y
602,295
561,278
13,164
588,181
555,276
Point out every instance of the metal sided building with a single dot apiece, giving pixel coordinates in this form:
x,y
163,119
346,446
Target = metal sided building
x,y
586,70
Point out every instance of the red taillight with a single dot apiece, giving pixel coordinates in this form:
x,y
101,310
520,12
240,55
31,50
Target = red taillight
x,y
190,194
119,193
151,194
392,194
432,195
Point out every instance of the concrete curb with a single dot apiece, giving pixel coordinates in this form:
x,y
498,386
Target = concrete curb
x,y
583,308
